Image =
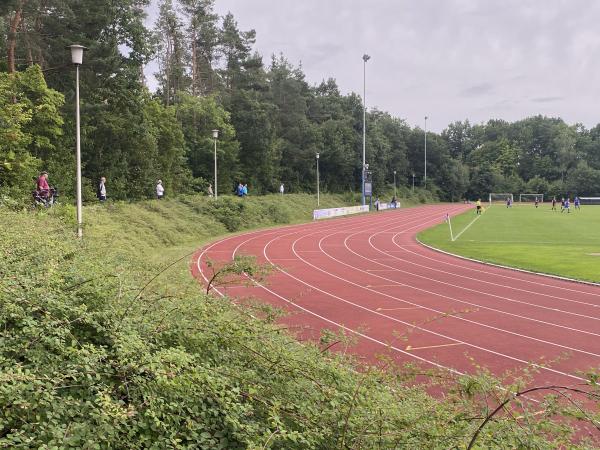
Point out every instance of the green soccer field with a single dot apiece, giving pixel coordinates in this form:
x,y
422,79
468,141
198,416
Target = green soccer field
x,y
522,236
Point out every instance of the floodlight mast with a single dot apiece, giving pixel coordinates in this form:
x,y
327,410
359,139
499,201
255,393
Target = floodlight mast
x,y
77,59
364,162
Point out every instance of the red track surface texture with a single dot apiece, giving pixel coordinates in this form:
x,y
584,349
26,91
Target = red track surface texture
x,y
369,276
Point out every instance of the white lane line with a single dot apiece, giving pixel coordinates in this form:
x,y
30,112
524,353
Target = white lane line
x,y
464,288
472,278
427,347
471,304
412,326
501,272
409,325
333,322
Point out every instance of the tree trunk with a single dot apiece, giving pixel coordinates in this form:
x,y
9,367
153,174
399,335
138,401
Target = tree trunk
x,y
12,37
194,63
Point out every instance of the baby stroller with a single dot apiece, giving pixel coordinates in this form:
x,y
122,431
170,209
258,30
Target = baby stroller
x,y
45,199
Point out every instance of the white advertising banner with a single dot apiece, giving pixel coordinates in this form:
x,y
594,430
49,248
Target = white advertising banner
x,y
335,212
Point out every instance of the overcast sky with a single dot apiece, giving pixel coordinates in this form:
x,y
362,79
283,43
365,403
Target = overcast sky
x,y
447,59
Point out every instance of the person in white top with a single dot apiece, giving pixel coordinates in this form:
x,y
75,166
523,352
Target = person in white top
x,y
281,189
160,190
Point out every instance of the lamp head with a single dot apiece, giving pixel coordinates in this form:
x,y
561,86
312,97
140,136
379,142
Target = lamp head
x,y
77,53
215,134
317,156
366,57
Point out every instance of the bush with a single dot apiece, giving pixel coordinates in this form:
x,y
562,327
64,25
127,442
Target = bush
x,y
92,355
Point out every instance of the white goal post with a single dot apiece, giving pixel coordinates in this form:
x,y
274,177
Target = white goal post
x,y
500,197
531,198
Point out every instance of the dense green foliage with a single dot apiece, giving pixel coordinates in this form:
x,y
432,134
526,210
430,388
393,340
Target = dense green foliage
x,y
271,120
94,356
534,239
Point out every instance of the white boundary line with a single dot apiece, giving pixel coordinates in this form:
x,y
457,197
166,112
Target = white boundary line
x,y
514,269
299,229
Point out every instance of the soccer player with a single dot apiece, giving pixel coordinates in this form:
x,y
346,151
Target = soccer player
x,y
478,204
566,206
537,202
562,204
508,202
577,203
554,203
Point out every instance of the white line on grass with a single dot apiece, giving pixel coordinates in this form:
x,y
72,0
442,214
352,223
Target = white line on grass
x,y
468,226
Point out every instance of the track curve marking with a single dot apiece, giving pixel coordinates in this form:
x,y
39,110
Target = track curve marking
x,y
367,275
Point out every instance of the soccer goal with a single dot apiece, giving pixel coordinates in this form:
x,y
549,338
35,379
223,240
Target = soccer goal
x,y
530,198
500,198
590,200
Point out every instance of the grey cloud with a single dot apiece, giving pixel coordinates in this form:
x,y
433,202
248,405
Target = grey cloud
x,y
546,99
477,90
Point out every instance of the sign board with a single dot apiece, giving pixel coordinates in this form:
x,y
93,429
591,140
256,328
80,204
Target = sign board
x,y
368,189
336,212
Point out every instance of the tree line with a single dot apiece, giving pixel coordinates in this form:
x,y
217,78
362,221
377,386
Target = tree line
x,y
272,121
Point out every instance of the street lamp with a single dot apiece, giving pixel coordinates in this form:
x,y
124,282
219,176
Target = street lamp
x,y
318,188
413,189
364,162
77,59
215,135
425,176
394,183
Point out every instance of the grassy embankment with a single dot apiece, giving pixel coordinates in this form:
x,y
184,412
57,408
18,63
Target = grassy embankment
x,y
540,239
92,356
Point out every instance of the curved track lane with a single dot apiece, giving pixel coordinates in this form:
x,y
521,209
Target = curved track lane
x,y
369,276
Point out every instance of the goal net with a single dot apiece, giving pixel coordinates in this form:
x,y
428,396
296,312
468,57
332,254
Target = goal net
x,y
530,198
590,200
500,197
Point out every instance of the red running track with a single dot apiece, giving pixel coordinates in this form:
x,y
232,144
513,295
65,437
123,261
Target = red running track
x,y
369,276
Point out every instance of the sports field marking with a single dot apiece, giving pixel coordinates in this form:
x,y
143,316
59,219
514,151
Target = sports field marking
x,y
354,331
461,287
424,307
472,290
397,309
491,283
339,325
382,285
453,344
517,277
467,227
404,301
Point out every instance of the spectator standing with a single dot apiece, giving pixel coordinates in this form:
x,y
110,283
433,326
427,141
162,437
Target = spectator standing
x,y
160,190
210,191
240,190
245,190
281,189
101,191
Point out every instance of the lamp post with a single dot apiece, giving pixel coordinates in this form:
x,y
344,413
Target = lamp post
x,y
425,176
215,135
318,187
413,189
77,59
394,183
364,162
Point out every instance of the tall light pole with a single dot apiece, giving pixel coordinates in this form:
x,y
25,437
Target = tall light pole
x,y
394,183
77,59
413,189
215,135
318,186
425,176
364,159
